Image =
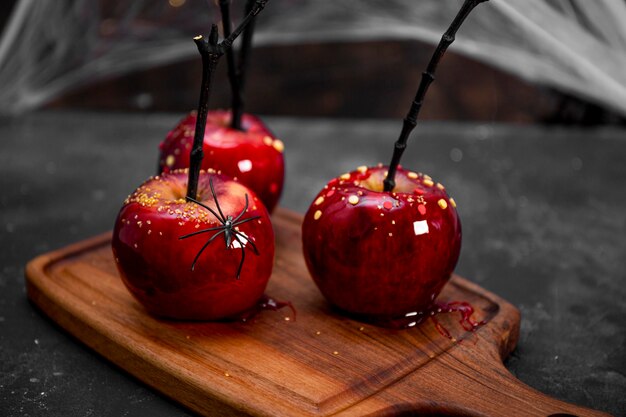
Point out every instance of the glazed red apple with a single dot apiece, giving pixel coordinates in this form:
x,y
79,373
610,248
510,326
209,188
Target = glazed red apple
x,y
252,155
160,245
381,254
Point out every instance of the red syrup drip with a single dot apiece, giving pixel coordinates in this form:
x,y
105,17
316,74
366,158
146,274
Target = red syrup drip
x,y
440,307
463,307
265,303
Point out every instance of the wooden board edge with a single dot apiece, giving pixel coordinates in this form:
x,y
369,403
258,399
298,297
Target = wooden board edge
x,y
181,392
41,293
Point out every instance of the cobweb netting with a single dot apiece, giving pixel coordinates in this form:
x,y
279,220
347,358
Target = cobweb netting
x,y
49,48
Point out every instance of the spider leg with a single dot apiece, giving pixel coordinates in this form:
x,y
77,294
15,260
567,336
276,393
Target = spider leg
x,y
193,265
227,228
243,255
239,234
242,211
246,220
211,229
222,220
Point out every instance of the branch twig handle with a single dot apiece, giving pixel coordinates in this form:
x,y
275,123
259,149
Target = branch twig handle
x,y
428,76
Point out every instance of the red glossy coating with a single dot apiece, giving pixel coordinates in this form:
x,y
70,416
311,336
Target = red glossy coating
x,y
155,264
378,254
254,156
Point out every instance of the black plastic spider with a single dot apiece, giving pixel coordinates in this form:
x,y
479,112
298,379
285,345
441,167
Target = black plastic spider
x,y
227,228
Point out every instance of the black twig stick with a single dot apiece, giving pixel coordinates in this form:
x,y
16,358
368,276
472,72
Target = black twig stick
x,y
210,54
233,78
428,76
211,51
242,67
256,9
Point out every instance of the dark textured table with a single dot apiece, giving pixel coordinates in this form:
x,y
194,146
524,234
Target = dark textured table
x,y
544,222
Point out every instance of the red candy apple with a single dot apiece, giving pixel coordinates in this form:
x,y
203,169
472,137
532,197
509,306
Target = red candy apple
x,y
381,254
162,250
252,155
382,242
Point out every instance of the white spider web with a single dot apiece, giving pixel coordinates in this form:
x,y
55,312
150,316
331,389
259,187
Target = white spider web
x,y
49,48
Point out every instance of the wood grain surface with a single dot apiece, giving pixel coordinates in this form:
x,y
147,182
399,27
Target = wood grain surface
x,y
316,363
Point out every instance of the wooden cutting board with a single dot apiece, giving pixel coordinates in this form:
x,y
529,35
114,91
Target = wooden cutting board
x,y
317,363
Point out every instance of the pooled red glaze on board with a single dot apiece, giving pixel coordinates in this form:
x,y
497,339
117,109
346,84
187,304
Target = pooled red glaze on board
x,y
265,303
